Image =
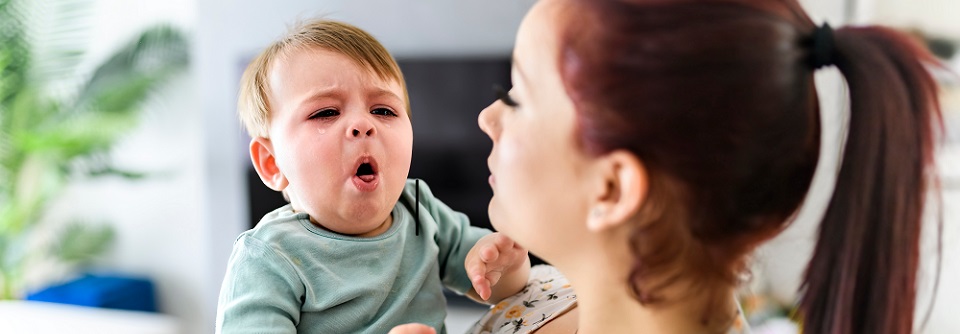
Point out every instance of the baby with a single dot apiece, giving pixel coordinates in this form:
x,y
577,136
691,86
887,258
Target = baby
x,y
360,248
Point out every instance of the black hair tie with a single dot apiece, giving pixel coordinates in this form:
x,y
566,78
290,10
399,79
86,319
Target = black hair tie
x,y
823,46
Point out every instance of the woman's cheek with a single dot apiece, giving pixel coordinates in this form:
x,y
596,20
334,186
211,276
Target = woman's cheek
x,y
517,186
514,168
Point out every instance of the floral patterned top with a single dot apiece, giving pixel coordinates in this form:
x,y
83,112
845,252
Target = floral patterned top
x,y
547,295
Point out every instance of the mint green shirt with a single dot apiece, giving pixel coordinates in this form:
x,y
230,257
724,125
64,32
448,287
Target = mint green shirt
x,y
287,275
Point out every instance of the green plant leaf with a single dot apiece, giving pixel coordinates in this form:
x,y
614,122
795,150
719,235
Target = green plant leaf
x,y
58,36
124,80
14,51
80,135
20,214
79,243
57,123
111,171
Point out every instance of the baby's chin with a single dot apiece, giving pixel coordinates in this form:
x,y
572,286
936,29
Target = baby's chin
x,y
358,214
360,218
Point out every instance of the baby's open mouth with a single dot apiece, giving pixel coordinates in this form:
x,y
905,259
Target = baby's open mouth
x,y
366,172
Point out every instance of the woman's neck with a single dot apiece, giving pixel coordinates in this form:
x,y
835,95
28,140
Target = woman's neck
x,y
607,304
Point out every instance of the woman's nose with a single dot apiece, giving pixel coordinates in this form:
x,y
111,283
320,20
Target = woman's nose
x,y
488,121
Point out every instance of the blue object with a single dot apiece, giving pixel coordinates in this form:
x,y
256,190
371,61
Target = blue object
x,y
115,292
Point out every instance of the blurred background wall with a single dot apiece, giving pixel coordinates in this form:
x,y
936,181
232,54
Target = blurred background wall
x,y
178,226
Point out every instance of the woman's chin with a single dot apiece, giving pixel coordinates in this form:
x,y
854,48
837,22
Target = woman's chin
x,y
494,214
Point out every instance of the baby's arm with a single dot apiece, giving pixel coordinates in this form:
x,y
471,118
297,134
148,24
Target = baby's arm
x,y
259,293
503,268
498,268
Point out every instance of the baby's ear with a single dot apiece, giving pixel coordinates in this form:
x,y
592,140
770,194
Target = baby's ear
x,y
261,153
623,190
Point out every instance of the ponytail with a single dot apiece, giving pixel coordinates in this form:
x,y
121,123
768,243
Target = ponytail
x,y
863,273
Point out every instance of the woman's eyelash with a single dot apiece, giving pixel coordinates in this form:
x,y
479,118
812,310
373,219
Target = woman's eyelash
x,y
504,96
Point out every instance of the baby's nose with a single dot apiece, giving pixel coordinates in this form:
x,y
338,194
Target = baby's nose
x,y
362,128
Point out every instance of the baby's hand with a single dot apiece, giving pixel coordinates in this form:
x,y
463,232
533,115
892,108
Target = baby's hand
x,y
488,260
413,329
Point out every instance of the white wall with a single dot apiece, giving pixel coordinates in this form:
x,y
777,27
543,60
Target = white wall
x,y
940,17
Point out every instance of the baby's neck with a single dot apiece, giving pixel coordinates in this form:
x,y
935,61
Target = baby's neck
x,y
380,229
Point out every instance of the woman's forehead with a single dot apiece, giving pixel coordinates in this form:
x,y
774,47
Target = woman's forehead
x,y
537,38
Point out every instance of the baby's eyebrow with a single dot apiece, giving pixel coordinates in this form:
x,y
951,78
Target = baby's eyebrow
x,y
331,92
384,93
306,104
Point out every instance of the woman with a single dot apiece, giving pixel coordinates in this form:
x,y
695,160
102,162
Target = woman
x,y
647,147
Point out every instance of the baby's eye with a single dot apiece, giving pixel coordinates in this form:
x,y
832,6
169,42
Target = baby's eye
x,y
324,113
383,112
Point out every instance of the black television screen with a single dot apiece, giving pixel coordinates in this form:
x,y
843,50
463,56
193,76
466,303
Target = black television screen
x,y
449,150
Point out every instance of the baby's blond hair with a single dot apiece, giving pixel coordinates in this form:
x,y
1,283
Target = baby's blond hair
x,y
253,105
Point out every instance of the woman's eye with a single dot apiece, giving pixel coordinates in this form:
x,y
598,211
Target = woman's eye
x,y
383,112
504,96
324,113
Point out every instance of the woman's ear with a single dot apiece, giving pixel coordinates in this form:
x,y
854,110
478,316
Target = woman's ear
x,y
261,153
624,189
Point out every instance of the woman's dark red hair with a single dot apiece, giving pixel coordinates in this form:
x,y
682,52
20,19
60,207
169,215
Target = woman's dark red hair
x,y
717,99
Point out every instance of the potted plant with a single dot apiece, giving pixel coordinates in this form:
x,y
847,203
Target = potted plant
x,y
58,123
